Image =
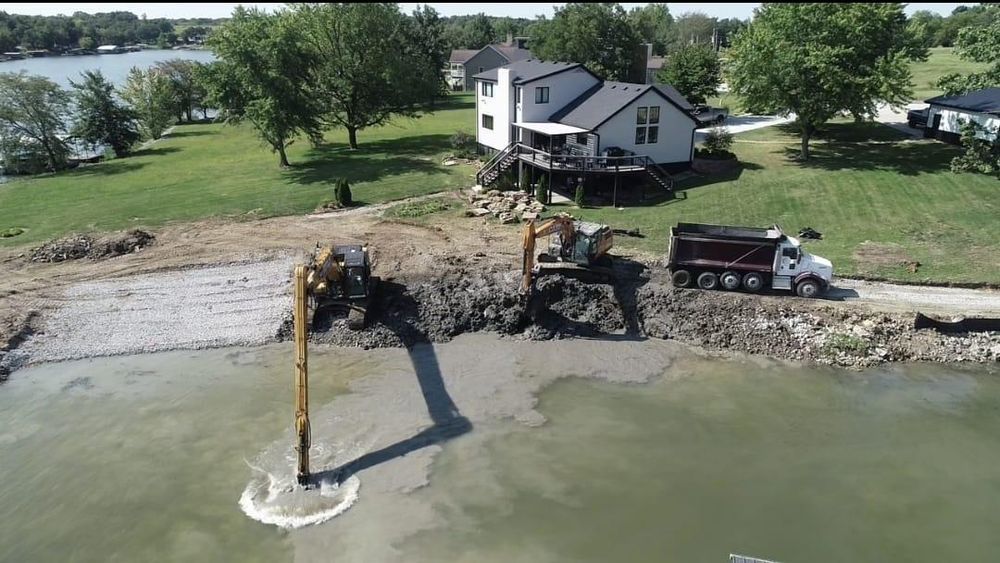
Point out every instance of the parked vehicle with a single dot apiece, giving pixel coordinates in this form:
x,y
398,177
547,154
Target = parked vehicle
x,y
707,115
719,256
917,118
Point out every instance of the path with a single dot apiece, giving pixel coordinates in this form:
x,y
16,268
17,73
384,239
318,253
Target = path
x,y
930,299
897,119
744,123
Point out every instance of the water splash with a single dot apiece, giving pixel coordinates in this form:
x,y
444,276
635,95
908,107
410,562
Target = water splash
x,y
281,502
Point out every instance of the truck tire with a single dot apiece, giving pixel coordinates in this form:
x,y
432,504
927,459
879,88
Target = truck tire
x,y
807,288
681,278
708,280
753,282
730,281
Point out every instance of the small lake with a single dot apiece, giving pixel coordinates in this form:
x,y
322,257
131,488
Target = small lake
x,y
115,67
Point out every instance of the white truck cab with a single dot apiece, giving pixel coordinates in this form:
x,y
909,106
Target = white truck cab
x,y
793,265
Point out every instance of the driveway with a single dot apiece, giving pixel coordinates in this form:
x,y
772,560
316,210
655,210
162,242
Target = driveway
x,y
897,118
743,123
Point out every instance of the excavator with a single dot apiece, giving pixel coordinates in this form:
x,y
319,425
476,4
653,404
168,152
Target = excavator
x,y
338,276
575,247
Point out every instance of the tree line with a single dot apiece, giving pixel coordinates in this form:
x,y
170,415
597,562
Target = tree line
x,y
88,31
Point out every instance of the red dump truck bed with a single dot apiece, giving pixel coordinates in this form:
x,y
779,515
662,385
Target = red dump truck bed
x,y
695,245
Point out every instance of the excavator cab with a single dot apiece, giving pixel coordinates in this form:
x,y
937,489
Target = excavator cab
x,y
357,271
340,276
584,245
576,248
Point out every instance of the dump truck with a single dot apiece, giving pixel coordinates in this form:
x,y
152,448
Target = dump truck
x,y
731,258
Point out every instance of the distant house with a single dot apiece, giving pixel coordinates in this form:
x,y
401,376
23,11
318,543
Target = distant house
x,y
465,63
561,119
109,50
945,114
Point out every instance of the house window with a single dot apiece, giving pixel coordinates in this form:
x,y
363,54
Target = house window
x,y
480,69
641,115
654,115
640,135
653,135
487,121
487,89
581,138
542,95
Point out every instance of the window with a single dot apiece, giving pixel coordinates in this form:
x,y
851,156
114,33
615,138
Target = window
x,y
581,138
542,95
654,114
640,135
480,69
641,115
653,135
487,121
517,95
487,89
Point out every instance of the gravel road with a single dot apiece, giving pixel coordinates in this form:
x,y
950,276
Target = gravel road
x,y
925,299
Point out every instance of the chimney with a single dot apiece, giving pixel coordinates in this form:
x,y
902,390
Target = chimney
x,y
510,39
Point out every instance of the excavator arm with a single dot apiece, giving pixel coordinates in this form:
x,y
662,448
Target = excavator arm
x,y
326,269
302,428
561,223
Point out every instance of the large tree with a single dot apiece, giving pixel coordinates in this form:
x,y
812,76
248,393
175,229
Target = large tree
x,y
425,38
33,114
654,24
479,32
262,76
817,61
151,96
368,67
100,118
979,44
188,93
695,72
694,27
597,35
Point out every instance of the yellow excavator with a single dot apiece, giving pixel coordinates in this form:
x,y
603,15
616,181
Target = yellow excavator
x,y
338,276
575,247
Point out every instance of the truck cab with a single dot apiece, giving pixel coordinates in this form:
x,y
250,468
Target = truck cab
x,y
793,265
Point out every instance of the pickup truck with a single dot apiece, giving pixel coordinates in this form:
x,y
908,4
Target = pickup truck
x,y
707,115
917,118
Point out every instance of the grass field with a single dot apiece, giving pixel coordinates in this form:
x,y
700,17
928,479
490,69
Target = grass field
x,y
879,204
942,61
216,170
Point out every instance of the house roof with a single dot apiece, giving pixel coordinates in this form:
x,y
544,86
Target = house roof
x,y
528,70
462,55
512,53
986,100
601,102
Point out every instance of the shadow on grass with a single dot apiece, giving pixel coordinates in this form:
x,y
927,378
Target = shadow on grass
x,y
155,151
902,158
182,134
371,161
110,168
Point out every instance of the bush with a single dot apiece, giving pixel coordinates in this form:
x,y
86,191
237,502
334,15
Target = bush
x,y
718,141
578,196
464,144
343,194
541,192
413,210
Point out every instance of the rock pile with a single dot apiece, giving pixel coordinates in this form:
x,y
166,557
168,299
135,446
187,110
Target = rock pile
x,y
509,207
82,246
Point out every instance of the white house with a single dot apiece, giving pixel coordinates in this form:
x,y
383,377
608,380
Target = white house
x,y
561,120
946,114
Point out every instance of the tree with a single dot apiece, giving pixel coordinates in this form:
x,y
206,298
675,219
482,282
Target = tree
x,y
88,43
820,60
654,24
978,44
187,92
33,112
430,50
694,28
343,193
925,27
151,96
262,76
542,190
695,72
102,119
981,155
597,35
367,69
479,32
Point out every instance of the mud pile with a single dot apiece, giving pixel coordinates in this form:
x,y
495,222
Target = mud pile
x,y
83,246
14,329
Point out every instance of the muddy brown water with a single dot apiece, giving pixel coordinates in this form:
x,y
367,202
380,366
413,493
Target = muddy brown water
x,y
654,453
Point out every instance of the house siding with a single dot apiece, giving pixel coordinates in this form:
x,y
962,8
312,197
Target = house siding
x,y
950,122
488,58
674,144
564,87
501,107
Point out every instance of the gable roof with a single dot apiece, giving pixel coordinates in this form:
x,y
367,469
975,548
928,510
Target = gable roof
x,y
602,101
529,69
512,53
986,100
462,55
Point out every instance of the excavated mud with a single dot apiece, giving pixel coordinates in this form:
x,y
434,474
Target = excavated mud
x,y
643,304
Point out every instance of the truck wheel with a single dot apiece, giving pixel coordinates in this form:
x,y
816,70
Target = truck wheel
x,y
708,280
681,278
807,288
730,281
753,282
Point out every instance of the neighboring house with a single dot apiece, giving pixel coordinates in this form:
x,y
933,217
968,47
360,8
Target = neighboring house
x,y
945,114
560,118
465,63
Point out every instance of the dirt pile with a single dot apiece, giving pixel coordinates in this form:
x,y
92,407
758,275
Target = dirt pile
x,y
14,329
83,246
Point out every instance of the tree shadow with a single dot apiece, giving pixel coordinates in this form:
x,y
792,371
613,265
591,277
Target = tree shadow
x,y
111,168
156,150
448,422
906,158
182,134
371,161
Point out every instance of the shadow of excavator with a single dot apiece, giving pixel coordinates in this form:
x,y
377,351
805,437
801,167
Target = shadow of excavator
x,y
400,312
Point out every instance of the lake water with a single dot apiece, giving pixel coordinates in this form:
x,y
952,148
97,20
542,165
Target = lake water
x,y
145,458
115,67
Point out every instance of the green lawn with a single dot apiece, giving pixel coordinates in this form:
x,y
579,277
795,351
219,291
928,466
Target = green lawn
x,y
942,61
216,170
861,186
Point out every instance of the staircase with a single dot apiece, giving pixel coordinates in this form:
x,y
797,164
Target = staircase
x,y
659,176
497,165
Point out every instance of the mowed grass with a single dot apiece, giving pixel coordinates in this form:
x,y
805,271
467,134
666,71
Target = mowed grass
x,y
863,184
942,61
215,170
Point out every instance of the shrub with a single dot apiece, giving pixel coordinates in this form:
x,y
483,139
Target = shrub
x,y
464,144
412,210
11,232
718,141
578,196
542,190
343,193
